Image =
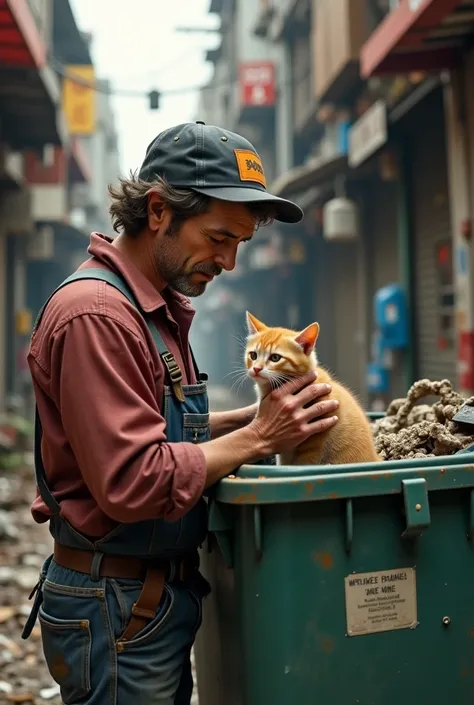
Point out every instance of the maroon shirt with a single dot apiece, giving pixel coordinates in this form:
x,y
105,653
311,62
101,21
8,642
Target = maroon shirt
x,y
98,382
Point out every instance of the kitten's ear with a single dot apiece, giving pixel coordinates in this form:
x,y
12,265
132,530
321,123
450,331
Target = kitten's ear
x,y
253,324
308,337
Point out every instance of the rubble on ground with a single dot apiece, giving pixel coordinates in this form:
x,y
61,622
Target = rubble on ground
x,y
412,430
24,676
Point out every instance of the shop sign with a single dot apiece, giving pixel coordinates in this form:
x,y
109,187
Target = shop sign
x,y
257,84
368,134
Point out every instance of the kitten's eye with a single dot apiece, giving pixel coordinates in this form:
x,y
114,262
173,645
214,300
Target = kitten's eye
x,y
275,357
253,355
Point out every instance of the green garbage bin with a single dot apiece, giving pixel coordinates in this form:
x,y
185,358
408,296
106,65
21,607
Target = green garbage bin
x,y
341,585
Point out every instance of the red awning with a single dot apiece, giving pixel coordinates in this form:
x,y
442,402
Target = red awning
x,y
21,43
416,35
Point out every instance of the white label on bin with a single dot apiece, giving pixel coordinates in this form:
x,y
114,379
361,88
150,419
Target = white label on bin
x,y
381,601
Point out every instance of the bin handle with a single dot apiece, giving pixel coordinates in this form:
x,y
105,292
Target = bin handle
x,y
417,506
471,516
257,531
349,524
220,523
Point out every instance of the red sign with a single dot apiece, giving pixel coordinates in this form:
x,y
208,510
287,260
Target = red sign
x,y
466,360
257,83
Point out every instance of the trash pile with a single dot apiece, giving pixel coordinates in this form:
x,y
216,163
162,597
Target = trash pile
x,y
413,430
24,676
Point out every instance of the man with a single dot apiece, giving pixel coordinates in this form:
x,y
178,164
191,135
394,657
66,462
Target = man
x,y
125,445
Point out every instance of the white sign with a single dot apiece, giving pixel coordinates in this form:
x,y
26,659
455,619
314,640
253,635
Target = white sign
x,y
256,75
391,313
381,601
368,134
258,95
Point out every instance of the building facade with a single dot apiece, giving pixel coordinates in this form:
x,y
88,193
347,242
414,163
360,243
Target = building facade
x,y
249,93
433,38
58,152
31,122
373,129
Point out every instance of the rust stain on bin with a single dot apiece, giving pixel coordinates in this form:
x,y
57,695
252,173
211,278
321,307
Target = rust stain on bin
x,y
246,499
325,560
466,672
309,486
327,645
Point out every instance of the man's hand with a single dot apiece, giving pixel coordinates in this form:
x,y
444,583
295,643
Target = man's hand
x,y
281,424
223,422
289,415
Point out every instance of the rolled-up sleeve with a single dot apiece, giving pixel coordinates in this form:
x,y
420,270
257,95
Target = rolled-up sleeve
x,y
113,422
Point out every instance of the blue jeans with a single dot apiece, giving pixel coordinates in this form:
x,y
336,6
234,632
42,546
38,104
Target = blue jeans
x,y
81,621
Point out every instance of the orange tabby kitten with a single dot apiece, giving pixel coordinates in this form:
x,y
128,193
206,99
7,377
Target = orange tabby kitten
x,y
275,355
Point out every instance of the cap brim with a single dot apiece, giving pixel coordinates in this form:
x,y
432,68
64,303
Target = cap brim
x,y
285,211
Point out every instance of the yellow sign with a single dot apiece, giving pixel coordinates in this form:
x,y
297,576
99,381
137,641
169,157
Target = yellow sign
x,y
23,322
250,166
79,100
297,252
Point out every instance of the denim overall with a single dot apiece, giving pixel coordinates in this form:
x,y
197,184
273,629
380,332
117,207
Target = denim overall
x,y
83,616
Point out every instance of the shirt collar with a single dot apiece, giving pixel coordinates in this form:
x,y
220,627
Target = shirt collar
x,y
149,299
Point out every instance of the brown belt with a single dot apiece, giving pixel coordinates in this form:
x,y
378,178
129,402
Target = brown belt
x,y
153,575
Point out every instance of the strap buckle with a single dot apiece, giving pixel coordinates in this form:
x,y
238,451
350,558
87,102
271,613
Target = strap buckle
x,y
144,609
172,366
142,612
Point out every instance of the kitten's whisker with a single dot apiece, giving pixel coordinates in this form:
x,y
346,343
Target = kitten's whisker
x,y
236,372
275,380
240,340
238,377
239,381
242,382
282,374
278,379
238,366
273,383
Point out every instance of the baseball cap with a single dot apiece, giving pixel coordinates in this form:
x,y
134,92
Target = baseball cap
x,y
214,162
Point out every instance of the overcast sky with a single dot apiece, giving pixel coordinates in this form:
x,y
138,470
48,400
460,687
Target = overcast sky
x,y
136,46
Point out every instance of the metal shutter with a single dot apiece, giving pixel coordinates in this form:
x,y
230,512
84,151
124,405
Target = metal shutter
x,y
382,255
338,308
432,226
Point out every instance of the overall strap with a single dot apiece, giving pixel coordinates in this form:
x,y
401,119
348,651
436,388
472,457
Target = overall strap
x,y
172,367
195,365
40,473
168,358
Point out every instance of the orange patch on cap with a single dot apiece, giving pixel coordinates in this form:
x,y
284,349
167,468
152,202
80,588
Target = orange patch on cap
x,y
250,166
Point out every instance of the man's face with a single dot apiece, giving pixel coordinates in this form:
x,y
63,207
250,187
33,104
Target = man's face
x,y
191,256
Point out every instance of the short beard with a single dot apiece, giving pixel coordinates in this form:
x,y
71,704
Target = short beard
x,y
173,270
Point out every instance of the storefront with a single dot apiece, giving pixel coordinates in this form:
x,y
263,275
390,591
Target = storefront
x,y
435,37
381,261
424,127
